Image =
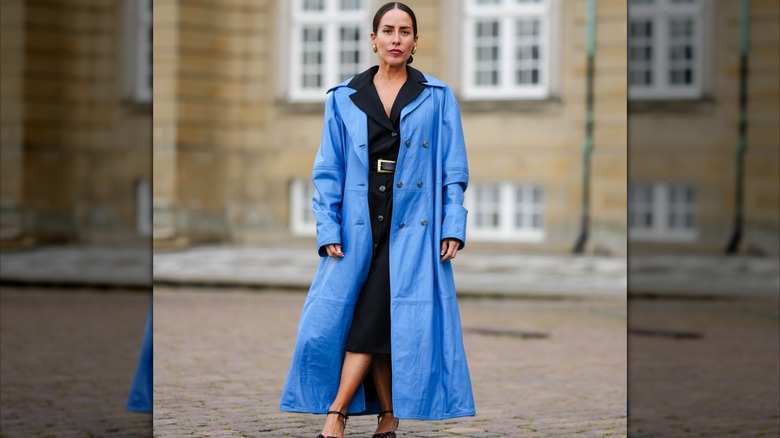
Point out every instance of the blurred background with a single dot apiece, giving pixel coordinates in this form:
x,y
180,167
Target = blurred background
x,y
704,217
75,214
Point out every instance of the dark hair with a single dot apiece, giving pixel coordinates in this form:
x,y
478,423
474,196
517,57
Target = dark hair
x,y
395,5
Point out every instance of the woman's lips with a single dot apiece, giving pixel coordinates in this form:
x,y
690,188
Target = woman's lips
x,y
396,51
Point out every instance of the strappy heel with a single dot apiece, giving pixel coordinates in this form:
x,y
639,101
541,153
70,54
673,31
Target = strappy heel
x,y
344,418
390,434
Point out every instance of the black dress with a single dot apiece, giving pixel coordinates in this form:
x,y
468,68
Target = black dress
x,y
370,329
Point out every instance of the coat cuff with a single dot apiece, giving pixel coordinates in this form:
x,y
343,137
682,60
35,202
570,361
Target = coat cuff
x,y
454,223
327,235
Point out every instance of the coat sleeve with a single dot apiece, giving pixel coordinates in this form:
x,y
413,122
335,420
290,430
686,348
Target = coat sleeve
x,y
328,175
455,173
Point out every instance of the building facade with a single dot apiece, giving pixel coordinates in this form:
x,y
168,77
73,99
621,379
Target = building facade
x,y
685,75
76,122
239,95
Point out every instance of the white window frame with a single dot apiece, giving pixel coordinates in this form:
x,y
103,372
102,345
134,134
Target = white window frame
x,y
302,219
659,209
506,231
138,50
332,18
507,12
660,13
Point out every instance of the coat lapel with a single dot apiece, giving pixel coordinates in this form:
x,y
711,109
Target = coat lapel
x,y
355,123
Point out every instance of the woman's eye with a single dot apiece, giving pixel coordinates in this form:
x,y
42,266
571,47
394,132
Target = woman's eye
x,y
387,31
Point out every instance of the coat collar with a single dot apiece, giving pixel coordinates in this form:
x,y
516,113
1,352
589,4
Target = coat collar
x,y
355,120
367,98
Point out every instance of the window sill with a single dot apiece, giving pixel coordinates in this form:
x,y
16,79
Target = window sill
x,y
300,107
704,104
552,103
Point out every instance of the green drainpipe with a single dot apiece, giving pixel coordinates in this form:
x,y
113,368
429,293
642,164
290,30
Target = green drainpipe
x,y
744,30
587,150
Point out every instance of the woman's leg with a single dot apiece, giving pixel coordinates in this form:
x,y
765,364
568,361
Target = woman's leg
x,y
353,371
382,373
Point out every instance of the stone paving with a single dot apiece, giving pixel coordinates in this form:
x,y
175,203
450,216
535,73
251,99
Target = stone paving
x,y
68,360
704,368
221,358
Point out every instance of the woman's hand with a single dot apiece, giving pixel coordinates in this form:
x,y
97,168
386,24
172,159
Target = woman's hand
x,y
334,250
449,247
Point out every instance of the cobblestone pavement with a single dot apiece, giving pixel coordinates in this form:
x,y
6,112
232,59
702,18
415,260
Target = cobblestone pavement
x,y
704,368
68,360
557,369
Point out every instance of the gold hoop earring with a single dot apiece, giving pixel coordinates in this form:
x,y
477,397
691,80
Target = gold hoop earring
x,y
374,47
414,50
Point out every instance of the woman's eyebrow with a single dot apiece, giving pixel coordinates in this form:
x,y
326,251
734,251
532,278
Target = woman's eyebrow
x,y
387,26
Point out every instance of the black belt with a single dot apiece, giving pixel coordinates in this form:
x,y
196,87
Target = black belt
x,y
385,166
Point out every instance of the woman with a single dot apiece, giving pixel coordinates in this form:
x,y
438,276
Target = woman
x,y
380,330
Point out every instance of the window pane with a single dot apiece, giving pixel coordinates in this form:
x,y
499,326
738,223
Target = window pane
x,y
681,51
487,206
313,5
312,57
527,51
487,53
640,206
350,61
640,52
351,5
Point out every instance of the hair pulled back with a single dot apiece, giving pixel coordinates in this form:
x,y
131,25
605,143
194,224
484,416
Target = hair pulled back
x,y
390,6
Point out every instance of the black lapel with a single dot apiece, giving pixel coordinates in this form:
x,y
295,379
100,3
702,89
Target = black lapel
x,y
367,99
408,92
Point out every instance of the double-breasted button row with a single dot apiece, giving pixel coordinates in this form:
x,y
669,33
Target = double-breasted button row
x,y
382,189
380,218
394,134
409,143
423,222
401,184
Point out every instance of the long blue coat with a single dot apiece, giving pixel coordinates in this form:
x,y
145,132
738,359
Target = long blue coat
x,y
430,375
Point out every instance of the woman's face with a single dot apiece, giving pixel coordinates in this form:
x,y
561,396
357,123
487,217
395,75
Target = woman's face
x,y
394,38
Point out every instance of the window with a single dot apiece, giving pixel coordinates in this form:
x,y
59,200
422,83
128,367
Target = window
x,y
330,43
507,49
138,50
665,53
662,211
505,211
302,219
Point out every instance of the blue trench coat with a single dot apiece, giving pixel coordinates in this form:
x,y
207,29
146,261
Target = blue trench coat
x,y
430,375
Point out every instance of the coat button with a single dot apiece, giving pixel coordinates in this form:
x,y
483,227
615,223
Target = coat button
x,y
394,134
382,189
408,143
425,144
420,184
424,222
380,218
401,225
400,184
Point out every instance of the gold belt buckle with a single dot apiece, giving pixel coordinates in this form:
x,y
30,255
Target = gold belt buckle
x,y
379,166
